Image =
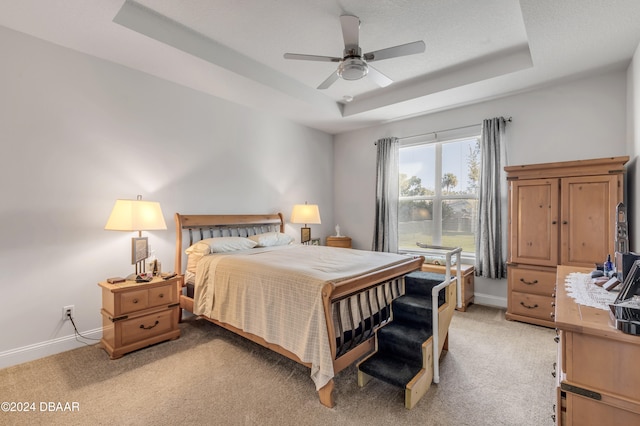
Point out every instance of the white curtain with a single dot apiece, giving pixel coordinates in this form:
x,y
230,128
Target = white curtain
x,y
490,241
385,237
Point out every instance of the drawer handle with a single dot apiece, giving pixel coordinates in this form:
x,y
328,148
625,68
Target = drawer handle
x,y
529,306
556,339
135,300
150,327
161,295
529,282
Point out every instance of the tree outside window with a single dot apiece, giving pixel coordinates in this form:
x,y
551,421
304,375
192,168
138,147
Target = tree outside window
x,y
439,194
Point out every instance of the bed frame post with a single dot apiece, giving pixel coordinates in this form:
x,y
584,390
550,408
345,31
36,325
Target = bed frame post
x,y
326,394
178,260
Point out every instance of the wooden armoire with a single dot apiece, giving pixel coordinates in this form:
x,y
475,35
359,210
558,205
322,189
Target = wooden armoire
x,y
559,214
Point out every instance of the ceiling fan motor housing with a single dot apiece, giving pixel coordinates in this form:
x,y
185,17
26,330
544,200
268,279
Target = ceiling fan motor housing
x,y
353,68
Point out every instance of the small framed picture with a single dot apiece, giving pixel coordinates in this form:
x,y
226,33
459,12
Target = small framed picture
x,y
139,249
315,241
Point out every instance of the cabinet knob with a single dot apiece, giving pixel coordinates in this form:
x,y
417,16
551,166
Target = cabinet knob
x,y
553,222
552,314
161,295
135,300
564,222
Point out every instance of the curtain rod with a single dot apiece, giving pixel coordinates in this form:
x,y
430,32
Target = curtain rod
x,y
447,130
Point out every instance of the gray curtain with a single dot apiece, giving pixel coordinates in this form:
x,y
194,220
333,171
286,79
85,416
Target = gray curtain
x,y
490,242
385,237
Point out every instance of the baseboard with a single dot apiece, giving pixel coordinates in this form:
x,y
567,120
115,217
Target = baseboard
x,y
489,300
46,348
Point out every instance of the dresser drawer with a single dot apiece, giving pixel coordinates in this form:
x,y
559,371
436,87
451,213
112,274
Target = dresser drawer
x,y
147,326
534,281
581,410
531,305
603,369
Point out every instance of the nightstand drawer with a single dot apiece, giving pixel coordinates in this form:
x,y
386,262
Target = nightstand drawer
x,y
344,242
133,301
163,295
147,326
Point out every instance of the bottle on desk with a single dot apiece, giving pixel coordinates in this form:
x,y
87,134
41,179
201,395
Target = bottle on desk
x,y
608,266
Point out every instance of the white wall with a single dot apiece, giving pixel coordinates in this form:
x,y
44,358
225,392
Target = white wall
x,y
573,120
77,133
633,147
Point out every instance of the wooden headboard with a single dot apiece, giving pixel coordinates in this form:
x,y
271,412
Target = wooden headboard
x,y
201,226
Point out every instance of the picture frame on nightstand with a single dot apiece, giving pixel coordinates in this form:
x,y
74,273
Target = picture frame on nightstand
x,y
315,241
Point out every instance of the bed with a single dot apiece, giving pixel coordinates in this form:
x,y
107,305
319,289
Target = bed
x,y
319,306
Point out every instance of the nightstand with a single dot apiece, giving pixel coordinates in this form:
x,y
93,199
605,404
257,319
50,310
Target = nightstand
x,y
344,242
468,272
136,315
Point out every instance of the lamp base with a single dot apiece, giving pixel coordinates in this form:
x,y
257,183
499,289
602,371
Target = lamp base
x,y
305,235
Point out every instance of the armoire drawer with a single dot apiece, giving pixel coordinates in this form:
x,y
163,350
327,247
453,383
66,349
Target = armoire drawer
x,y
532,280
532,305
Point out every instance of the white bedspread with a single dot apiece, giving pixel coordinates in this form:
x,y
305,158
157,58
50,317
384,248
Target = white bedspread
x,y
275,293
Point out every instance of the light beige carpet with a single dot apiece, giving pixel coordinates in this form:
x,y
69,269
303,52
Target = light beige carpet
x,y
496,372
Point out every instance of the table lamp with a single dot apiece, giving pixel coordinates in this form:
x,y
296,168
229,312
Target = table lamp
x,y
136,215
305,214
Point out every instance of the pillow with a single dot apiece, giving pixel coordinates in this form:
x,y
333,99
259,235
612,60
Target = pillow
x,y
192,262
271,239
220,245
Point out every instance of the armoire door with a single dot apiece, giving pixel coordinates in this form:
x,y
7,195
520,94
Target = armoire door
x,y
534,221
588,218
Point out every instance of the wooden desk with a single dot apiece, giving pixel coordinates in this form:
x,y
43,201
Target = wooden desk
x,y
598,381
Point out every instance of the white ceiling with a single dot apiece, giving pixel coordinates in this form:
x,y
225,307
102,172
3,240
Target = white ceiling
x,y
475,49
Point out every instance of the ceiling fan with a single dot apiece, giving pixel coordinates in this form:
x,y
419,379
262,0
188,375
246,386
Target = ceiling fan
x,y
353,64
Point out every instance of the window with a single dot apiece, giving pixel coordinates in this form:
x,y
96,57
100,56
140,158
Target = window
x,y
439,194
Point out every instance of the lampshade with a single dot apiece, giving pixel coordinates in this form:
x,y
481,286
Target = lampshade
x,y
136,215
305,213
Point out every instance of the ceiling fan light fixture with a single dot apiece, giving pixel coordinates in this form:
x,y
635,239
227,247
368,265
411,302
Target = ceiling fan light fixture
x,y
353,69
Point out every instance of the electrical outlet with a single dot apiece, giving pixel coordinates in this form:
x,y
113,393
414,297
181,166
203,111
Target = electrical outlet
x,y
67,312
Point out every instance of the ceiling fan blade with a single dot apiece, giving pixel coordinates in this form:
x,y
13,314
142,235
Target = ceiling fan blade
x,y
350,31
379,78
311,57
394,52
329,81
